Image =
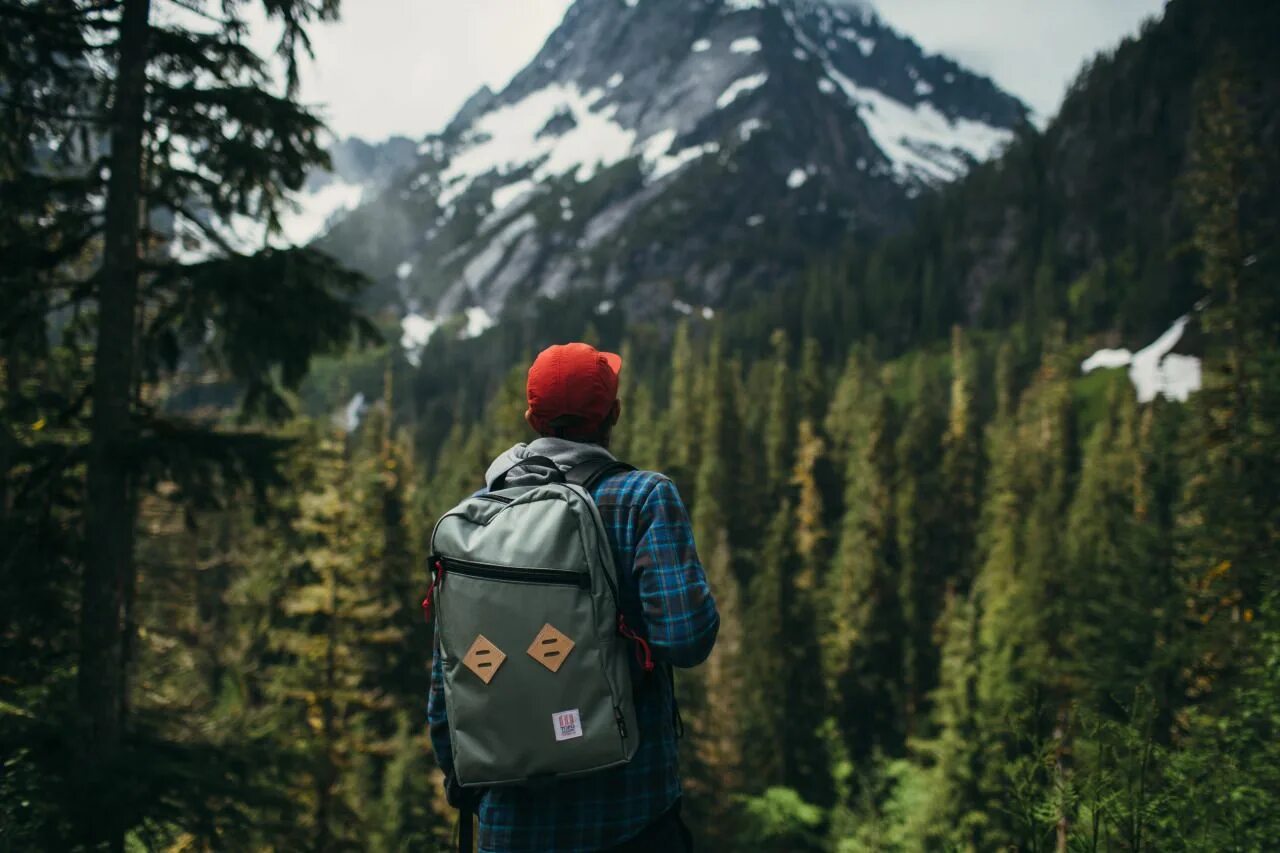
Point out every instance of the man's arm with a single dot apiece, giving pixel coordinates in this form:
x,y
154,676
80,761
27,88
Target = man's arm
x,y
437,718
679,610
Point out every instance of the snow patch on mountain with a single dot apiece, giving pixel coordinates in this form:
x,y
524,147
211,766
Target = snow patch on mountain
x,y
662,163
417,330
415,333
750,44
740,87
479,321
513,136
922,144
920,141
701,46
748,128
1155,370
797,178
311,213
1107,359
349,419
504,196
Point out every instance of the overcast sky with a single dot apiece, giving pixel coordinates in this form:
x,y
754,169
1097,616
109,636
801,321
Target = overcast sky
x,y
405,66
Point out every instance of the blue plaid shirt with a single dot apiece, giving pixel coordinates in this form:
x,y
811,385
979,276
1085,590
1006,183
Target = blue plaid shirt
x,y
663,580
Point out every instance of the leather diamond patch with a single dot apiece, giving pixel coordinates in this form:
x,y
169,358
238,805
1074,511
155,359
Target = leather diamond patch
x,y
484,658
550,648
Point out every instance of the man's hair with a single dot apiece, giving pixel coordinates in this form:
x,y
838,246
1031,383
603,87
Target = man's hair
x,y
571,428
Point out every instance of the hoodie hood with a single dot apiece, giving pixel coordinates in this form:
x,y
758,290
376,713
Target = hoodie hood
x,y
564,453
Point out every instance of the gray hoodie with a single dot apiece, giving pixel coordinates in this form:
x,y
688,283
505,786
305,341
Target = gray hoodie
x,y
564,453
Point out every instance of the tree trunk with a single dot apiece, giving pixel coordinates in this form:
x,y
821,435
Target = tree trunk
x,y
108,573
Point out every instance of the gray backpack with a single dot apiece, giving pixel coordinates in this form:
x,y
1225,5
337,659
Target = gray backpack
x,y
537,683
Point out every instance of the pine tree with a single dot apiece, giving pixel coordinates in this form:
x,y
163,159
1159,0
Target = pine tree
x,y
862,619
322,665
1117,572
779,434
680,451
953,816
1229,515
765,703
1022,615
349,646
718,737
802,685
811,390
962,463
628,385
642,432
921,506
503,420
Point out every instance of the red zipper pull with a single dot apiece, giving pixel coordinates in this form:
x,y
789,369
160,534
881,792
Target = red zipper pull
x,y
644,655
431,590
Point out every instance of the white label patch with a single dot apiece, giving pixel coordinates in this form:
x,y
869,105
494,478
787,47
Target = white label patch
x,y
568,724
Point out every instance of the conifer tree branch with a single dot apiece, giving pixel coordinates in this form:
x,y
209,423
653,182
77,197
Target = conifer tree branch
x,y
54,115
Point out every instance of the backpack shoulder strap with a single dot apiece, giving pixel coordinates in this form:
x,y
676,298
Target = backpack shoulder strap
x,y
589,474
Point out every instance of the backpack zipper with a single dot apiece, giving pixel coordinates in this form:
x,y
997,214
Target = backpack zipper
x,y
486,571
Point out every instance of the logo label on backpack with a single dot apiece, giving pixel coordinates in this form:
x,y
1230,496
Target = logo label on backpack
x,y
568,724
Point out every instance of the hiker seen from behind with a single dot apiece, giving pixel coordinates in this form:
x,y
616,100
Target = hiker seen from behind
x,y
563,593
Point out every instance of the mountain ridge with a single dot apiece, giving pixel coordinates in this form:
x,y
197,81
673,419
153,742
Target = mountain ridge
x,y
646,146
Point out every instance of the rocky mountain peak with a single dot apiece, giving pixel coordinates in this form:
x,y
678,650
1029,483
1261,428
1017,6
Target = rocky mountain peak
x,y
648,145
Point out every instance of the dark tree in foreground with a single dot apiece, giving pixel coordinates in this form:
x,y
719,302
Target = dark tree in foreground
x,y
148,156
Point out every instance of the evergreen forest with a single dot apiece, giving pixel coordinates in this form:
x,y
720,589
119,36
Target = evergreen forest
x,y
972,597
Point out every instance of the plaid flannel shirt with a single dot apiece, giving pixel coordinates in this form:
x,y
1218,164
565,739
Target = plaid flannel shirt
x,y
663,581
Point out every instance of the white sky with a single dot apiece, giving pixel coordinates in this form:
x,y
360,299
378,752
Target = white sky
x,y
1032,48
405,66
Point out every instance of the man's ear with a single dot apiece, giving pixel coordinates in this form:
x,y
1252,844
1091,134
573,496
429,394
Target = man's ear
x,y
614,413
528,418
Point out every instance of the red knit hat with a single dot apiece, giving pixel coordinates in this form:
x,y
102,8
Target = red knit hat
x,y
574,384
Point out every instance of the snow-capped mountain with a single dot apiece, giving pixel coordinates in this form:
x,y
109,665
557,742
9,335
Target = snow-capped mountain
x,y
360,171
673,152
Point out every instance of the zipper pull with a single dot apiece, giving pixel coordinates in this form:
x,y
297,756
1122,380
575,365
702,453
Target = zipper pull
x,y
621,720
429,601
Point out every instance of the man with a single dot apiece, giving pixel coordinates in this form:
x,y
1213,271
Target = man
x,y
572,396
